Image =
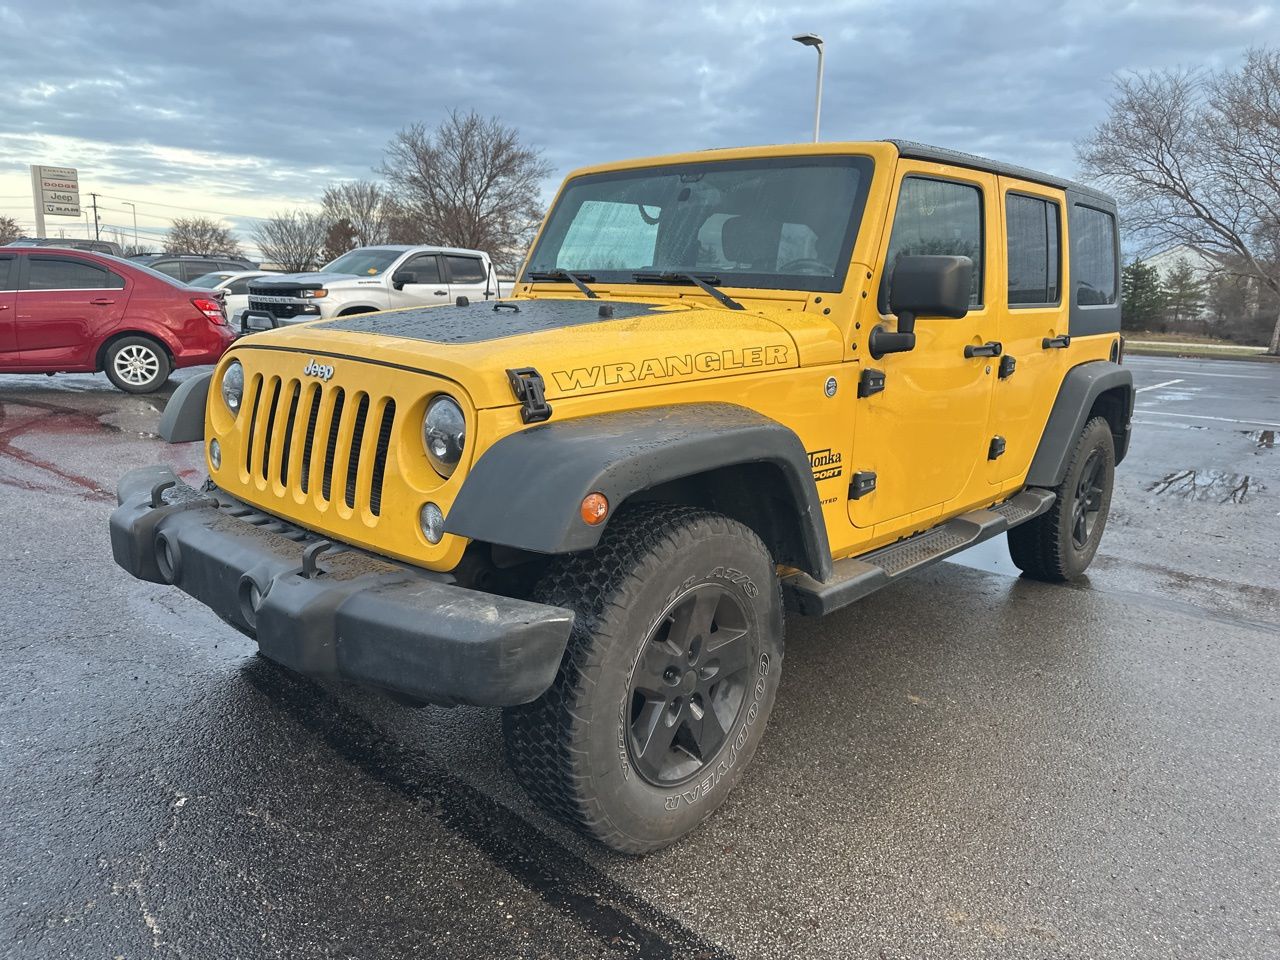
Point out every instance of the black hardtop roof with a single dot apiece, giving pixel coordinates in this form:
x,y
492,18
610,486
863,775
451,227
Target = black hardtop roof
x,y
923,151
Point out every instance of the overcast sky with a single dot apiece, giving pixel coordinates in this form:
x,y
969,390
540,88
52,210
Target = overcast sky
x,y
243,109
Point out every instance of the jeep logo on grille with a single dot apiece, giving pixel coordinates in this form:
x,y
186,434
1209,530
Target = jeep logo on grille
x,y
320,370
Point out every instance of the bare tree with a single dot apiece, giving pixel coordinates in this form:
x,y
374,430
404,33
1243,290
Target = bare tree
x,y
9,230
338,239
201,236
363,205
470,182
1193,158
293,239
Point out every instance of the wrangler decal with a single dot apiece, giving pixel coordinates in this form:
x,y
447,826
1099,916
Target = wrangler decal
x,y
663,368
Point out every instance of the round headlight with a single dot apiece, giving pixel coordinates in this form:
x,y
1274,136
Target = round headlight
x,y
444,434
233,386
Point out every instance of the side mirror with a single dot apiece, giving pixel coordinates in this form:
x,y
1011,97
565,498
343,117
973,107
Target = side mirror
x,y
922,286
401,277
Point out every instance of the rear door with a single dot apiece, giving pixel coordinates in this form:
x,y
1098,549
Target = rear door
x,y
1032,323
468,276
65,306
429,286
8,315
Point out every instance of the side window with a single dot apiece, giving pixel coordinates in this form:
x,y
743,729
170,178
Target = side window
x,y
1033,240
238,287
8,273
170,268
198,268
465,269
1093,256
230,265
937,217
426,266
46,273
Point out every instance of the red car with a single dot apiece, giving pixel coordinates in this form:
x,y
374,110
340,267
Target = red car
x,y
77,312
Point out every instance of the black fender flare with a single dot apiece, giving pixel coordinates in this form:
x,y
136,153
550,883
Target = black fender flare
x,y
526,490
1079,391
183,417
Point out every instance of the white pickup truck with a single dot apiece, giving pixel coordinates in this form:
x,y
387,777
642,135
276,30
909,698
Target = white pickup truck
x,y
368,279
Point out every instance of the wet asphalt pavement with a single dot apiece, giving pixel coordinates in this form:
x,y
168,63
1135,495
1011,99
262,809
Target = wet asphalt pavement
x,y
964,765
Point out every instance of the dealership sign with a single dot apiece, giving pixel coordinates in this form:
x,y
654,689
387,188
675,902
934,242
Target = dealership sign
x,y
57,190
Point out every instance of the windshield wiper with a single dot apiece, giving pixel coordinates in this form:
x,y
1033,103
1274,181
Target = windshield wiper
x,y
704,281
579,280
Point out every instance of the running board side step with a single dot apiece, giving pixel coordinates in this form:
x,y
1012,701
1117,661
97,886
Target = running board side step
x,y
856,577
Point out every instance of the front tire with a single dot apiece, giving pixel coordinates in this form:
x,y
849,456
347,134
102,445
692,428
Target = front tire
x,y
1060,544
667,682
137,365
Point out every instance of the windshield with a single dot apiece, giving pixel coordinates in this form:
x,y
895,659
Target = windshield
x,y
781,223
366,262
209,280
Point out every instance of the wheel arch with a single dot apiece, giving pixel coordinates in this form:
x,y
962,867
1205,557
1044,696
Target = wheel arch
x,y
1091,389
720,456
356,309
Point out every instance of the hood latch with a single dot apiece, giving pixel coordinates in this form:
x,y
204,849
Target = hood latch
x,y
530,389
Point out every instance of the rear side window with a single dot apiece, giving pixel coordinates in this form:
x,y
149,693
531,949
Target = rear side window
x,y
1034,259
8,273
47,273
170,268
1093,256
938,217
198,268
230,265
465,269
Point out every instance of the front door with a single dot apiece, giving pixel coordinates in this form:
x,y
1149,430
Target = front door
x,y
429,286
8,315
925,435
65,306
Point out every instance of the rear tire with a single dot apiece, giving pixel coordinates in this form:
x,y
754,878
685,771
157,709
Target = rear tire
x,y
666,684
1060,544
137,364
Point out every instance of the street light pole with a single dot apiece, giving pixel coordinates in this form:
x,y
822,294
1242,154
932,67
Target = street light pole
x,y
135,223
815,41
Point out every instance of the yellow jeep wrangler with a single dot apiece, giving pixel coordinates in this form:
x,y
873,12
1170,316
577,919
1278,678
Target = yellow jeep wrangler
x,y
726,383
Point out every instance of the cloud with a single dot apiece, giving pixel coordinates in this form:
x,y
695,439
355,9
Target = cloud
x,y
248,108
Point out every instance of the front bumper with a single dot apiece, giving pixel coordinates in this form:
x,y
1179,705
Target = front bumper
x,y
335,612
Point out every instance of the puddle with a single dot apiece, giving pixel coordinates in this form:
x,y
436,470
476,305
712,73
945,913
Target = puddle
x,y
1262,439
1209,486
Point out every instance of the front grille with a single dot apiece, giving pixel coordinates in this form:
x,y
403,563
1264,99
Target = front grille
x,y
303,435
285,311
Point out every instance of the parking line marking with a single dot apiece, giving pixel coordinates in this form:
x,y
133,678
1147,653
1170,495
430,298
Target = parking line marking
x,y
1157,386
1200,416
1201,373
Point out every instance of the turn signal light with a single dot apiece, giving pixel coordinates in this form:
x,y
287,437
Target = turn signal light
x,y
595,507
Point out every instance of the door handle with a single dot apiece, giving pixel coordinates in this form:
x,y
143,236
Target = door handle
x,y
441,293
1056,343
991,348
101,301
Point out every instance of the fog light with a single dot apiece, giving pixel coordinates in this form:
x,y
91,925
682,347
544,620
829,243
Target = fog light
x,y
431,519
215,453
594,508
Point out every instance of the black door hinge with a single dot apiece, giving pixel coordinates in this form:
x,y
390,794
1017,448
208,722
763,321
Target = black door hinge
x,y
862,483
1007,366
870,382
531,391
996,450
